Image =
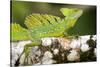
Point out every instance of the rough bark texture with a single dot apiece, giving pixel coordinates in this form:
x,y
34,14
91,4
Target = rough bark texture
x,y
56,51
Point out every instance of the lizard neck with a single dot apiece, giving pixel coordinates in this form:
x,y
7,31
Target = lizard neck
x,y
69,22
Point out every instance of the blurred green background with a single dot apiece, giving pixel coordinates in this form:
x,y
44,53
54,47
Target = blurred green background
x,y
86,25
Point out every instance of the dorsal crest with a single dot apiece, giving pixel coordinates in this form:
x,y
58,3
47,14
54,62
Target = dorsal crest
x,y
19,33
35,20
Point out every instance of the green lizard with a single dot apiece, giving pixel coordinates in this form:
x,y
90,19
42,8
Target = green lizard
x,y
44,25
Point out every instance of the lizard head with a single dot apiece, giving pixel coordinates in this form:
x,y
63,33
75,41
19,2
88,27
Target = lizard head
x,y
71,16
71,12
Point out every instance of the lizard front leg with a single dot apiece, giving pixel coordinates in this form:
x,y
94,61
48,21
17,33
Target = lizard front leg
x,y
27,47
26,51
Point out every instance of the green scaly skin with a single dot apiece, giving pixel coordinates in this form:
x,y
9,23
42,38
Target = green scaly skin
x,y
44,25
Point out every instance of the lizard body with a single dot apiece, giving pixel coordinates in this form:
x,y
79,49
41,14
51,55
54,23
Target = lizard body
x,y
43,25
